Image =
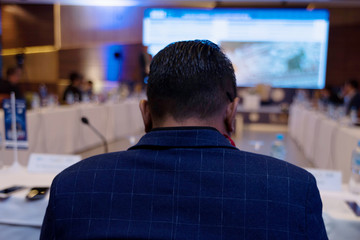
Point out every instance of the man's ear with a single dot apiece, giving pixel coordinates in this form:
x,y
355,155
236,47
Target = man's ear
x,y
145,112
230,115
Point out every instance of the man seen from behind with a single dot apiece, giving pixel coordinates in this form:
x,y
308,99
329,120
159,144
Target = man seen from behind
x,y
185,179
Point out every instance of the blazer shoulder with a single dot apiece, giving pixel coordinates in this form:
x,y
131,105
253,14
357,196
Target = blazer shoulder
x,y
277,167
102,161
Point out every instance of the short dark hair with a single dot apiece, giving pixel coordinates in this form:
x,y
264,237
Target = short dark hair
x,y
353,83
190,79
74,76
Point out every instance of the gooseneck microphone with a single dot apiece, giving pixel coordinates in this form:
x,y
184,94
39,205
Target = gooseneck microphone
x,y
85,121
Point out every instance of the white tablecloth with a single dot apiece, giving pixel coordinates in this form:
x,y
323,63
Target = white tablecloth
x,y
17,210
328,144
60,131
340,221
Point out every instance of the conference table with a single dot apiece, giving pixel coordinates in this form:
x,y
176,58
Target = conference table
x,y
59,130
325,142
56,130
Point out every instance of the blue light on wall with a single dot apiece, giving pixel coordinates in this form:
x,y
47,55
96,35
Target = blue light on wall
x,y
113,60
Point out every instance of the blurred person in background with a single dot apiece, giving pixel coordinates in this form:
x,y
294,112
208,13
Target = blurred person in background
x,y
351,95
10,83
145,60
87,89
74,89
330,95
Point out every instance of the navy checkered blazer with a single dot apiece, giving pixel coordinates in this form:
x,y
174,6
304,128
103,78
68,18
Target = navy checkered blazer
x,y
184,183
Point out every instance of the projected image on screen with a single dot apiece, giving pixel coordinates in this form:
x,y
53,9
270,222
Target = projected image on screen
x,y
284,48
292,64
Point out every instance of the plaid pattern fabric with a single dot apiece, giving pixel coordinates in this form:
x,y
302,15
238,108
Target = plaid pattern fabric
x,y
184,184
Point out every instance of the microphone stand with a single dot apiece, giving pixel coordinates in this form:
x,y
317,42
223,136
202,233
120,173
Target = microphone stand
x,y
85,121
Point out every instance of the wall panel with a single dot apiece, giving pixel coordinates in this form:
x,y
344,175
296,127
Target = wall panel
x,y
343,54
27,25
89,25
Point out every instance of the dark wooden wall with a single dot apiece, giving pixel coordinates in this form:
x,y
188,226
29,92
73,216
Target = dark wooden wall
x,y
27,25
344,46
343,55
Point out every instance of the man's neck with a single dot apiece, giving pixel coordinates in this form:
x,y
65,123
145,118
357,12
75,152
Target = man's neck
x,y
182,128
192,122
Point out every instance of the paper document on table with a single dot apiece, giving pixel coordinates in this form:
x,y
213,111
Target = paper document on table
x,y
327,180
51,163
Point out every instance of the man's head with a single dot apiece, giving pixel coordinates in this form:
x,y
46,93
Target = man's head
x,y
351,85
76,79
191,82
13,75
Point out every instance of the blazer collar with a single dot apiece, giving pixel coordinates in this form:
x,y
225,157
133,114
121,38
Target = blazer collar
x,y
183,137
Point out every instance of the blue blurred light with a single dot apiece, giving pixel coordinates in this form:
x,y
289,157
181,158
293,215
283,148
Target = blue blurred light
x,y
113,61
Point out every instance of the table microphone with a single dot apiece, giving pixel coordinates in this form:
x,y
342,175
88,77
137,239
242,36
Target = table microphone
x,y
84,120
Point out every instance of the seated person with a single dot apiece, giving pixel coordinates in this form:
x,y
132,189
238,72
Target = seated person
x,y
87,89
351,95
185,179
10,84
73,91
145,60
330,95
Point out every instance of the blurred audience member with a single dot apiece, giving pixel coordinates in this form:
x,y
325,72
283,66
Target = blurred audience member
x,y
351,95
329,95
87,89
10,84
145,60
72,92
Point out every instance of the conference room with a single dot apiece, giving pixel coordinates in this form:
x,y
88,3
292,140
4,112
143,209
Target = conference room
x,y
75,74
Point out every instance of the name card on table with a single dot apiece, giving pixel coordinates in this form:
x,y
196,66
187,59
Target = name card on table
x,y
51,163
327,180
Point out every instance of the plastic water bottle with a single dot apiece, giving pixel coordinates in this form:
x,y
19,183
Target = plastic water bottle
x,y
278,147
354,183
51,100
331,111
70,98
354,115
85,98
35,103
43,95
